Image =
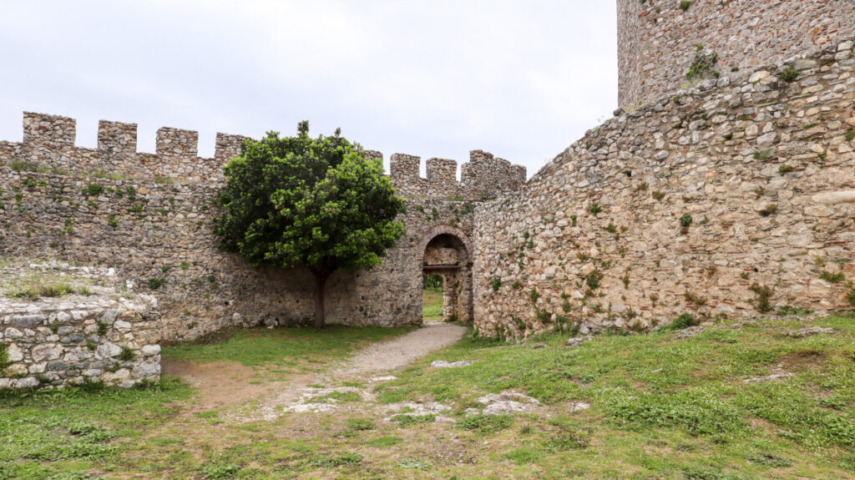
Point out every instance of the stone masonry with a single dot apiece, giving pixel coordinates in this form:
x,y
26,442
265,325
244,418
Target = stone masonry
x,y
730,195
658,40
148,217
55,342
731,199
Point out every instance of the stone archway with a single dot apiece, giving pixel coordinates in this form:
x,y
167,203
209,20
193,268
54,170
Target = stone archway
x,y
446,251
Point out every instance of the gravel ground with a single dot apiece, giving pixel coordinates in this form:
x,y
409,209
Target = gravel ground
x,y
376,359
401,351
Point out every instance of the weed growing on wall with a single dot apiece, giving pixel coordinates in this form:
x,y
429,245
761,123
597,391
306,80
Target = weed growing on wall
x,y
789,74
4,358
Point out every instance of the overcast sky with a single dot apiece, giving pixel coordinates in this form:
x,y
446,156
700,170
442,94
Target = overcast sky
x,y
520,79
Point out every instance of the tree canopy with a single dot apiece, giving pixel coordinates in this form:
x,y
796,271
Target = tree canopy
x,y
318,203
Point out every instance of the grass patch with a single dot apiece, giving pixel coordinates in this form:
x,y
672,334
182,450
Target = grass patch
x,y
486,423
432,305
410,420
254,347
385,442
660,407
340,397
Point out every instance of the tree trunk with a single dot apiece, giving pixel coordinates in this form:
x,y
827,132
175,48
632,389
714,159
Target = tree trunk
x,y
320,282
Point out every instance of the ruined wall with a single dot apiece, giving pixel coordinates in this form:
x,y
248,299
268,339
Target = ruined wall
x,y
149,217
761,171
55,342
657,39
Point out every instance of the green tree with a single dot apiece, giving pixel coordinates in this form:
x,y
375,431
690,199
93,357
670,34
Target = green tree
x,y
305,202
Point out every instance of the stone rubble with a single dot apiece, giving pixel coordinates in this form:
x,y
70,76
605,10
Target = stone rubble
x,y
444,364
809,331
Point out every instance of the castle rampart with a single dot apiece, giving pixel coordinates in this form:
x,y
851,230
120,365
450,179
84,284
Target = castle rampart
x,y
658,39
734,200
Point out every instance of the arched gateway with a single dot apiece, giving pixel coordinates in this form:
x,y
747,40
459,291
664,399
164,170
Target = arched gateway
x,y
446,251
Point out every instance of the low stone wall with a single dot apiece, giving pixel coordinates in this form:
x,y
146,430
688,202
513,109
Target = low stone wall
x,y
731,199
77,339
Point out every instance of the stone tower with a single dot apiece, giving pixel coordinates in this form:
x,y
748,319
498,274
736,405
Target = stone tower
x,y
658,39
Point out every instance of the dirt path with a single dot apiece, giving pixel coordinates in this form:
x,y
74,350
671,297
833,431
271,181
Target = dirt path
x,y
387,356
223,385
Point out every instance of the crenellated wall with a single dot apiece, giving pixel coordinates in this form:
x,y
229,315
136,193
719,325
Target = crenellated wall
x,y
733,199
149,217
484,177
658,40
49,145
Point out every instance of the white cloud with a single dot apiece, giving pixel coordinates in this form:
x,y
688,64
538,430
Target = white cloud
x,y
430,78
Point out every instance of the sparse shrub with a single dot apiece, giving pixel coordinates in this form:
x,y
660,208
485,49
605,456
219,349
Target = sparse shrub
x,y
93,190
764,154
685,5
695,299
850,295
219,471
155,283
185,265
832,277
593,279
764,297
519,323
683,322
769,210
611,228
702,65
360,424
658,196
485,423
4,358
568,440
534,296
850,135
127,354
784,169
686,221
789,74
103,327
409,420
567,325
595,208
642,187
112,222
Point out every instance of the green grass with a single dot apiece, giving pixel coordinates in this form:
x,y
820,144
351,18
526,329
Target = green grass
x,y
661,407
432,305
68,432
254,347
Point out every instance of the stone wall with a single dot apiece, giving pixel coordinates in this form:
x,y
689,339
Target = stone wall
x,y
712,202
657,39
484,177
149,217
55,342
49,146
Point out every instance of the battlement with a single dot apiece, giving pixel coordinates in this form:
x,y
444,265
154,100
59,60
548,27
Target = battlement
x,y
49,129
49,142
483,177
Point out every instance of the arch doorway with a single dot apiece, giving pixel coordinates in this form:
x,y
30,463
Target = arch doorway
x,y
446,253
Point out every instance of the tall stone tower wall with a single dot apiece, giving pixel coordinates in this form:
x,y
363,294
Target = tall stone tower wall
x,y
658,39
